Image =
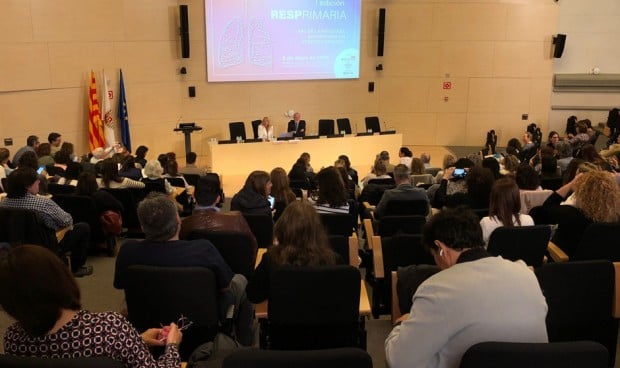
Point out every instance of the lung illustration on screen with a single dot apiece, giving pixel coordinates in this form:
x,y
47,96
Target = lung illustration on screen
x,y
250,40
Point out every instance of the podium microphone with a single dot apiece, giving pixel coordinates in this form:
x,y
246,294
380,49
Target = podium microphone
x,y
384,126
178,121
356,127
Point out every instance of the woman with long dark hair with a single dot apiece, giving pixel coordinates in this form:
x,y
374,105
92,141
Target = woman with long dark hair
x,y
504,208
252,198
280,191
300,240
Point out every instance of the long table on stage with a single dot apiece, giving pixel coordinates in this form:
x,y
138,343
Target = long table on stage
x,y
235,161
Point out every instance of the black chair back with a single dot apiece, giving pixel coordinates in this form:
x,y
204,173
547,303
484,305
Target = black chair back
x,y
393,225
337,223
326,127
551,183
154,185
314,308
129,198
528,243
398,251
159,295
20,226
577,354
82,209
372,123
407,207
237,129
344,125
235,248
599,241
579,297
12,361
373,191
340,246
325,358
255,124
54,189
54,170
191,179
262,228
176,182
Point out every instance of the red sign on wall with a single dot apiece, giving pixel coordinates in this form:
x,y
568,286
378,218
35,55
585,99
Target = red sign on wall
x,y
111,95
447,85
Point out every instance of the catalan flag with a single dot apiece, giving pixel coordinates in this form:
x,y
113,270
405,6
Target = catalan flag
x,y
95,126
123,115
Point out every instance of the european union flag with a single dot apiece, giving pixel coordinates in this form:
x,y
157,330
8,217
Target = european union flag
x,y
123,115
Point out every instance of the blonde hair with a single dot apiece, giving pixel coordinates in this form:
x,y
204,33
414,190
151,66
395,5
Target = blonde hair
x,y
598,196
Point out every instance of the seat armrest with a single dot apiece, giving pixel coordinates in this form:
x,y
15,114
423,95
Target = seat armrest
x,y
370,232
616,308
556,253
370,209
395,306
377,257
354,258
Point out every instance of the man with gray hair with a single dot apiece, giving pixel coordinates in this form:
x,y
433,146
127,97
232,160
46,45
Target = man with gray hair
x,y
403,191
161,224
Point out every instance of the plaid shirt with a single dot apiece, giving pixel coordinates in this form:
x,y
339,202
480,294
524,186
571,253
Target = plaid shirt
x,y
52,215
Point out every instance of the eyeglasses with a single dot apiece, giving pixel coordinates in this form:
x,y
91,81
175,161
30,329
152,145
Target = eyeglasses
x,y
183,323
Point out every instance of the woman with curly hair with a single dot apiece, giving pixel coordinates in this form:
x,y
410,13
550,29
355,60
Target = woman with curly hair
x,y
596,198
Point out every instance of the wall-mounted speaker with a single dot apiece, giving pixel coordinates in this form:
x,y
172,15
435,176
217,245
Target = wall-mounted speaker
x,y
559,40
381,37
184,30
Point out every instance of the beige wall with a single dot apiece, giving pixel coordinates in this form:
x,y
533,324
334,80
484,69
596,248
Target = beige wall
x,y
495,53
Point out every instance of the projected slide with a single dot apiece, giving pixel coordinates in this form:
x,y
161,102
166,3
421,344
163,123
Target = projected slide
x,y
254,40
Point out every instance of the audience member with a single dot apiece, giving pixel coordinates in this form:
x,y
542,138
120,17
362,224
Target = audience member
x,y
207,217
403,191
32,143
595,198
589,154
141,156
404,156
378,171
581,138
280,191
70,150
504,208
104,201
385,157
565,154
153,177
426,159
352,172
190,166
332,195
492,164
44,156
161,224
37,290
172,171
475,298
300,240
54,139
128,168
22,187
451,183
4,167
112,180
571,128
99,154
417,167
552,143
252,198
527,178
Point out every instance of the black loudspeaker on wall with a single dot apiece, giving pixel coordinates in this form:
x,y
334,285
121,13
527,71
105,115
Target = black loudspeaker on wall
x,y
381,32
184,30
559,40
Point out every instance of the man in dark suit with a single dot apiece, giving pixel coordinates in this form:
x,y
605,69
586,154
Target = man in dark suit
x,y
403,191
297,126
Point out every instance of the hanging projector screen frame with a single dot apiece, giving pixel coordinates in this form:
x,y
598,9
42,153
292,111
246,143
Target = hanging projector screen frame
x,y
275,40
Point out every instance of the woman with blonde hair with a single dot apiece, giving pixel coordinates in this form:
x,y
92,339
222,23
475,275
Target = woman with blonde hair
x,y
504,208
300,240
596,198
